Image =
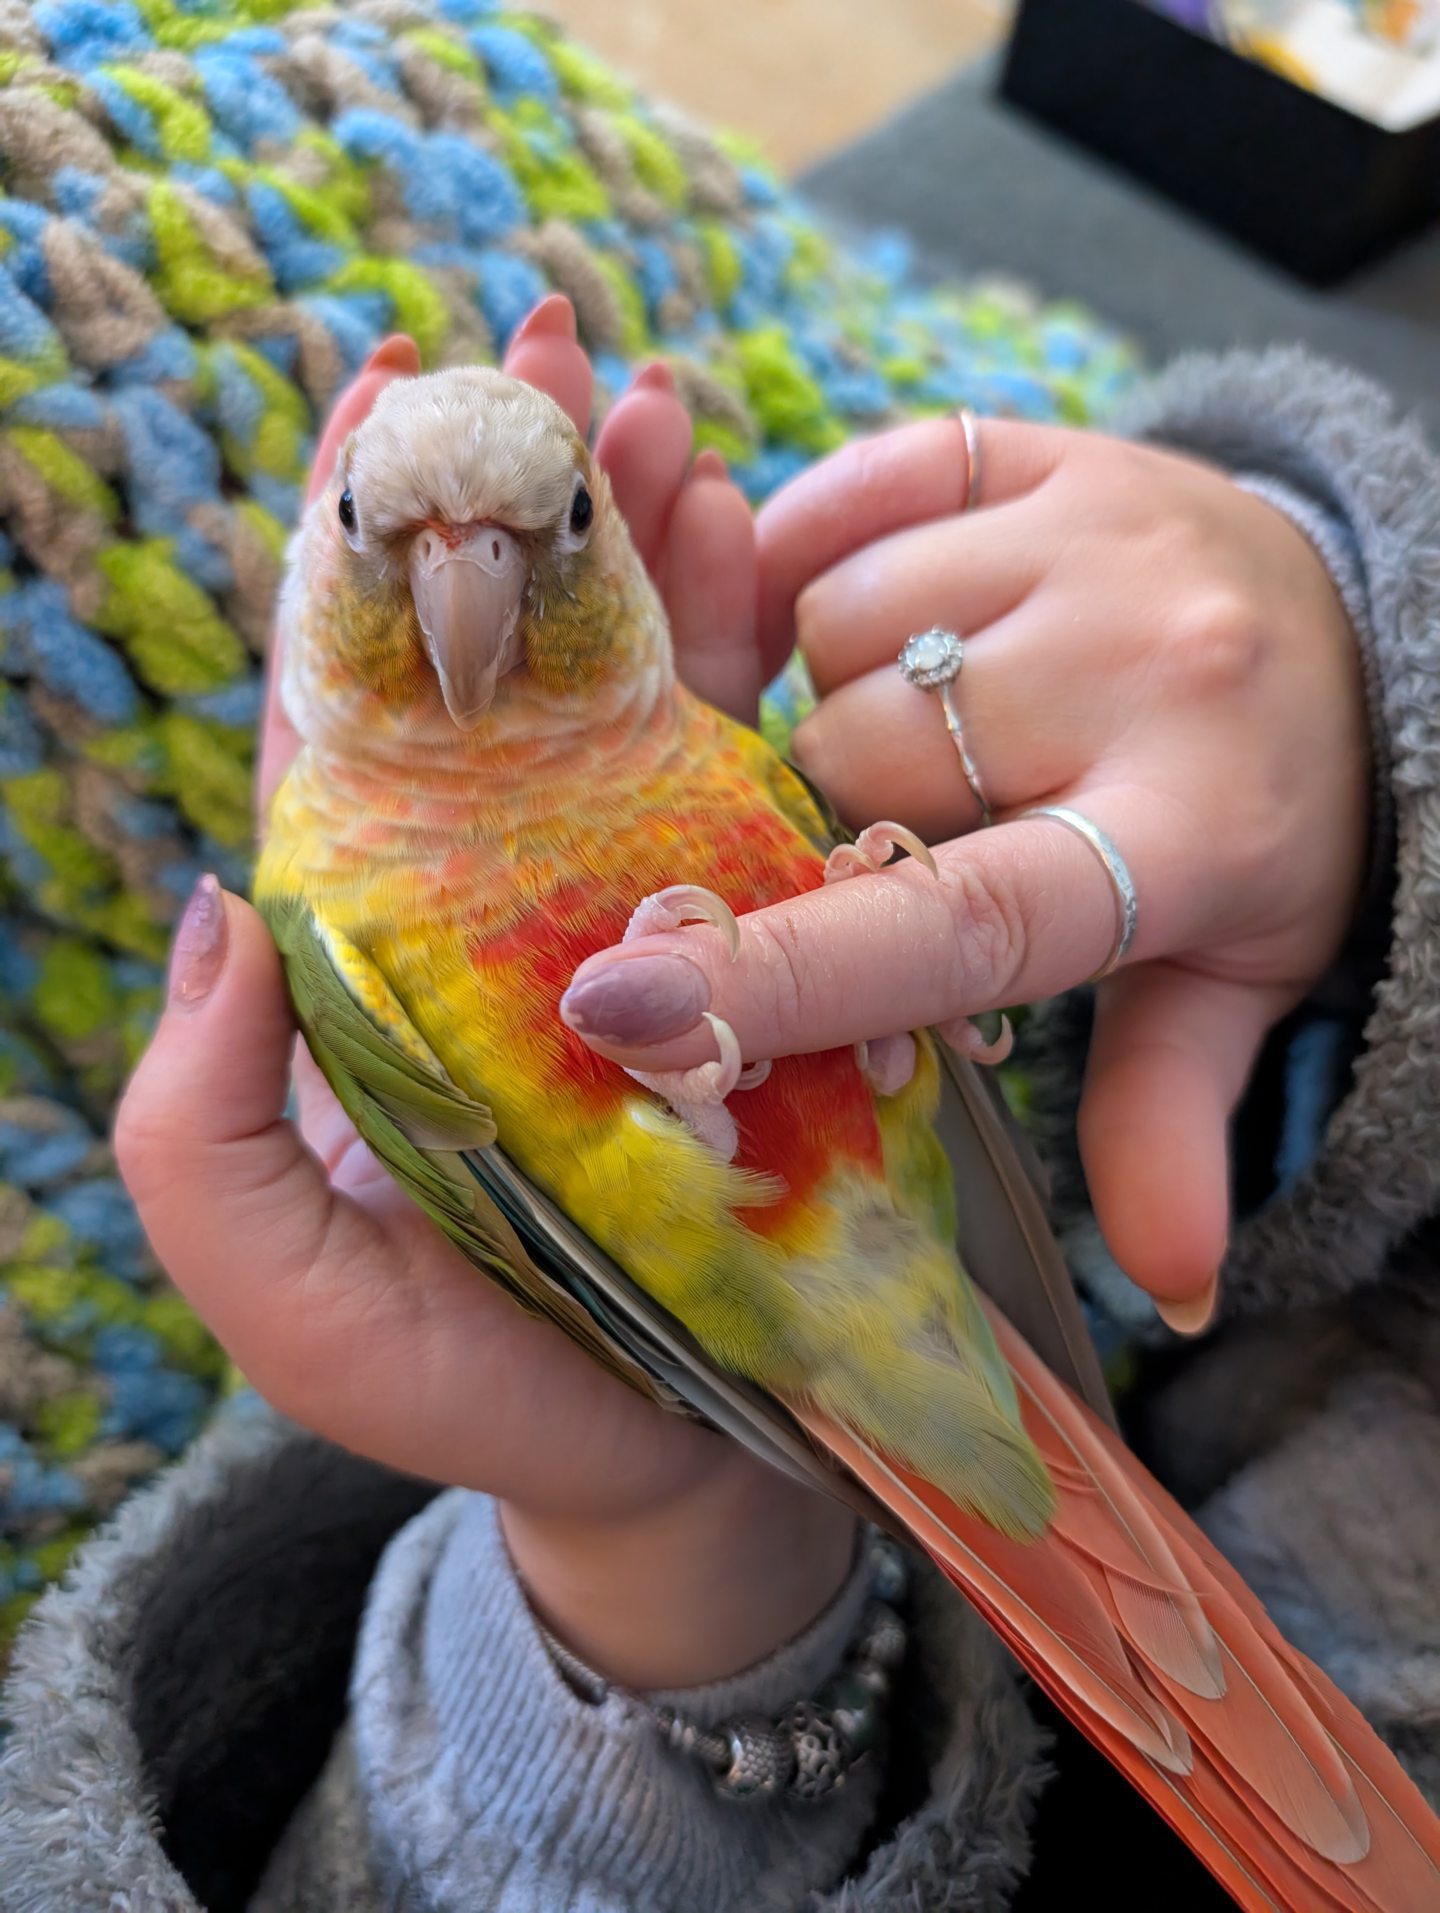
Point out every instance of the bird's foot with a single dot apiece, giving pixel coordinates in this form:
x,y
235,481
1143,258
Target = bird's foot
x,y
967,1039
873,849
697,1096
683,903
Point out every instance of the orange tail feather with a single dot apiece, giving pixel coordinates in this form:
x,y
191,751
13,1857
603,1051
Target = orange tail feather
x,y
1142,1633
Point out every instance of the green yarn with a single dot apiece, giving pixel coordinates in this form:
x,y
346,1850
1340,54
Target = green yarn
x,y
64,471
183,127
190,281
787,400
415,306
169,626
555,180
75,995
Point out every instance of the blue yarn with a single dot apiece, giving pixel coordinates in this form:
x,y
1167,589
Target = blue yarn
x,y
67,658
509,286
655,269
513,64
33,1488
297,258
25,332
247,104
487,201
278,496
21,747
62,408
100,1212
238,400
86,31
168,357
24,259
173,461
239,704
134,120
154,1404
352,338
33,1160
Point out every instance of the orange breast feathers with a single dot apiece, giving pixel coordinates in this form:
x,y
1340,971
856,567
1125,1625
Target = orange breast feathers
x,y
812,1114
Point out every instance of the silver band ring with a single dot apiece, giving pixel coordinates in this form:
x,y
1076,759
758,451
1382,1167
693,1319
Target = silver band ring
x,y
970,426
932,661
1115,868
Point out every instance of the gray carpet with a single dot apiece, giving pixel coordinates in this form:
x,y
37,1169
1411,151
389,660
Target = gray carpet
x,y
982,188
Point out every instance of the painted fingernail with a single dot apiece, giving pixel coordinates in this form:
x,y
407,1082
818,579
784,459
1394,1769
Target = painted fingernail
x,y
709,464
398,353
553,318
1193,1313
655,377
200,945
643,999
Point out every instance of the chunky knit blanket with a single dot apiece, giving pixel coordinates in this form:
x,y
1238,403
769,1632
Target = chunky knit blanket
x,y
211,211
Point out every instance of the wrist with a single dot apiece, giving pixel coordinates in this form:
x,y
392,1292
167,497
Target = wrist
x,y
691,1592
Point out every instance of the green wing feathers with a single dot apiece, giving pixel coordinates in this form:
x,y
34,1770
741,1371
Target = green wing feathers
x,y
412,1118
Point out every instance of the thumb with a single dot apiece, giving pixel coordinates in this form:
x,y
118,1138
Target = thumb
x,y
1169,1060
230,1198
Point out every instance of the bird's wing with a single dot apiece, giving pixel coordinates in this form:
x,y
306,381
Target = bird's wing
x,y
440,1145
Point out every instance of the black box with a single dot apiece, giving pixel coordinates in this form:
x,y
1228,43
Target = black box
x,y
1310,185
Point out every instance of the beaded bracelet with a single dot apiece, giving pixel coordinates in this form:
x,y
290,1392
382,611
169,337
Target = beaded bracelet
x,y
811,1750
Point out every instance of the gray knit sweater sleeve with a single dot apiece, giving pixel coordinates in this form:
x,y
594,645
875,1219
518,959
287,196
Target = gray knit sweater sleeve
x,y
471,1775
1359,1163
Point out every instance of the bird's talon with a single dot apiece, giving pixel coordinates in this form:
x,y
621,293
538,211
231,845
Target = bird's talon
x,y
684,903
753,1075
725,1072
969,1040
873,849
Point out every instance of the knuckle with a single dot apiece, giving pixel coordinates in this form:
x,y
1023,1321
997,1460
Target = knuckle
x,y
1217,645
991,930
779,977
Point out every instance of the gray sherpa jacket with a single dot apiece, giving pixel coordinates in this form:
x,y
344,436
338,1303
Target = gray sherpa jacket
x,y
181,1733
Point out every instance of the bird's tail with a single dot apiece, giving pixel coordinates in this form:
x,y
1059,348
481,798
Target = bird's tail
x,y
1139,1631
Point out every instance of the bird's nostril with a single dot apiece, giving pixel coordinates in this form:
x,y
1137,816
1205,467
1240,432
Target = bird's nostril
x,y
495,549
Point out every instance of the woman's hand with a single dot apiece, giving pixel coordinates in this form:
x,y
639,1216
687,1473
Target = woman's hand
x,y
1145,642
662,1553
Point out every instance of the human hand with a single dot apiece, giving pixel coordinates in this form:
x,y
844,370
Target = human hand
x,y
1147,643
662,1553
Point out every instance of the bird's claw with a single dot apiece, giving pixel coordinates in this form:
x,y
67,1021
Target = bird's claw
x,y
873,849
684,903
697,1096
967,1039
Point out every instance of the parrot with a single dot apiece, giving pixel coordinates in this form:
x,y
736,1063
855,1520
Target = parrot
x,y
840,1259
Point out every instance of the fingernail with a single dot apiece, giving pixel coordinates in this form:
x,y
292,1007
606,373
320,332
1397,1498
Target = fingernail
x,y
1193,1313
200,945
655,377
553,318
398,353
643,999
709,464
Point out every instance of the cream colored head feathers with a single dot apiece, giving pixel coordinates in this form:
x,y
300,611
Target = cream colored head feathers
x,y
466,554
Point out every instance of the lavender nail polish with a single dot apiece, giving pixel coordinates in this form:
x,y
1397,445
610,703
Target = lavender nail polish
x,y
643,999
200,945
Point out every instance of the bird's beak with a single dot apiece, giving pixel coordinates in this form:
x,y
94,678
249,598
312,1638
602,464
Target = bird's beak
x,y
468,588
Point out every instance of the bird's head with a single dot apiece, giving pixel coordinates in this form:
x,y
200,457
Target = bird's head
x,y
467,551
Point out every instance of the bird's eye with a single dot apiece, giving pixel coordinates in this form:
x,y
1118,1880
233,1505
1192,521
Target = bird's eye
x,y
347,510
582,510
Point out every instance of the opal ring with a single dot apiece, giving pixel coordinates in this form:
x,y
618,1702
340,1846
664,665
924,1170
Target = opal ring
x,y
970,426
932,661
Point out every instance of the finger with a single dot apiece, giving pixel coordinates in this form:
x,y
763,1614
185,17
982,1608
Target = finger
x,y
1036,717
1017,913
876,486
644,448
708,584
358,1320
545,352
963,574
1169,1059
395,357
